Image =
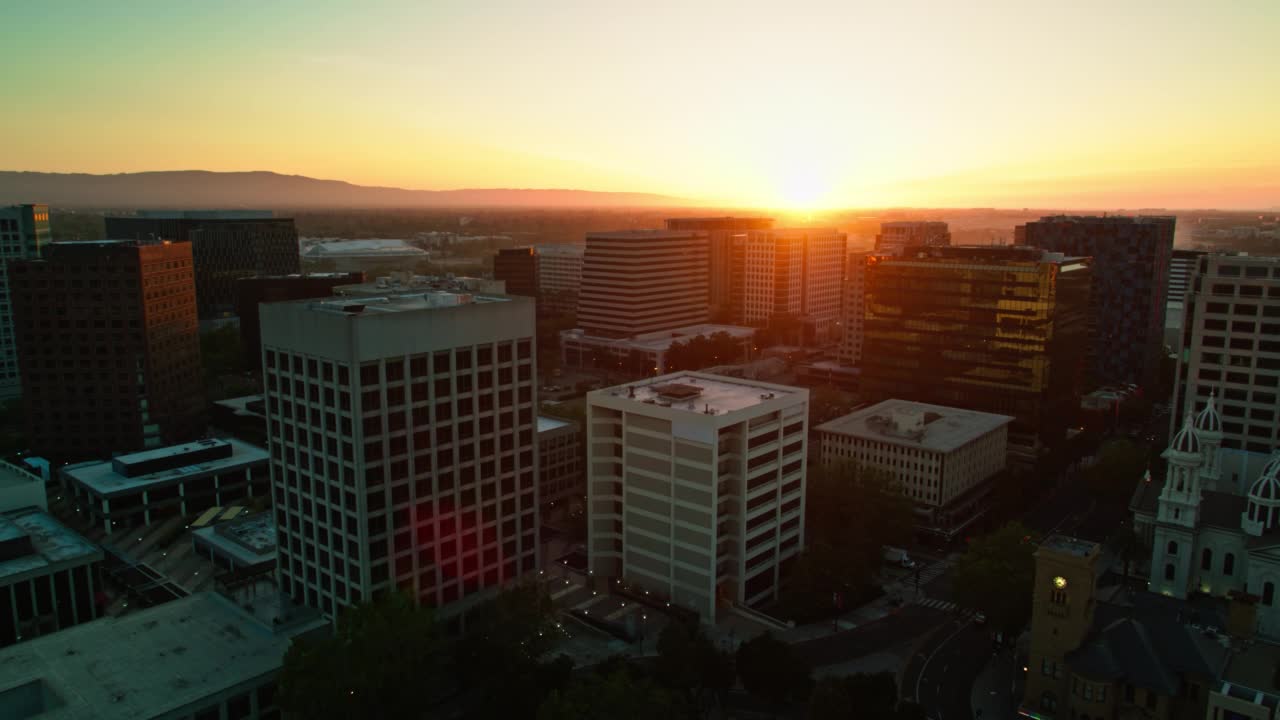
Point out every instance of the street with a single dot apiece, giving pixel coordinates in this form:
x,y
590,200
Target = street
x,y
941,673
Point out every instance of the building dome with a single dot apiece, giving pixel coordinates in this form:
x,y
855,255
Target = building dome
x,y
1209,421
1186,441
1263,512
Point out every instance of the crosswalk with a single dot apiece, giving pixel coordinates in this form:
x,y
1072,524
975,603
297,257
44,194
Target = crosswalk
x,y
932,572
935,604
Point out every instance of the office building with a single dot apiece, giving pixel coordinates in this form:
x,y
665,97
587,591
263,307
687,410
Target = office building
x,y
152,486
640,281
246,541
559,278
1182,269
561,480
24,231
651,353
1230,348
368,255
897,236
48,577
994,329
403,445
253,291
1111,652
204,657
721,233
1130,287
944,458
790,277
108,346
853,309
518,268
696,487
226,245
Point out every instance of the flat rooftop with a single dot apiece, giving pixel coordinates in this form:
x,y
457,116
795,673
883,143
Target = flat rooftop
x,y
661,340
549,423
52,543
399,302
207,215
694,392
645,234
151,662
936,428
102,478
1255,668
1069,546
249,538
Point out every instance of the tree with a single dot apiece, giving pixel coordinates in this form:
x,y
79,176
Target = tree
x,y
619,695
1119,466
1126,543
862,696
996,574
771,671
689,664
385,660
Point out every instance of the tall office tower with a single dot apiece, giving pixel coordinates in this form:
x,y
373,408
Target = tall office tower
x,y
403,438
696,486
226,245
896,236
24,231
721,232
559,277
791,274
108,347
995,329
853,308
518,268
1130,284
1231,348
252,292
639,281
1182,267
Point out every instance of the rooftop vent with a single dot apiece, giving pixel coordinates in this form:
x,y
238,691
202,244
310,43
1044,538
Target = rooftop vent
x,y
677,391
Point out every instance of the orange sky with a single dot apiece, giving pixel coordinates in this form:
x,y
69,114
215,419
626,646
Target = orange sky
x,y
1088,104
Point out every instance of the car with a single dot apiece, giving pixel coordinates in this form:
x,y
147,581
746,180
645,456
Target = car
x,y
979,618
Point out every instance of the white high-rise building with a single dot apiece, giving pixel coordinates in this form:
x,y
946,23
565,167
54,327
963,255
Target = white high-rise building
x,y
639,281
696,487
1231,347
559,275
403,441
790,273
853,309
24,231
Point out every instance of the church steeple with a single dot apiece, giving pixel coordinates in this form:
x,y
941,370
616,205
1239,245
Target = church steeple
x,y
1180,498
1208,430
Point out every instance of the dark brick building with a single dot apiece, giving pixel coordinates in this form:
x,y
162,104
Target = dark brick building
x,y
252,292
226,246
108,347
518,267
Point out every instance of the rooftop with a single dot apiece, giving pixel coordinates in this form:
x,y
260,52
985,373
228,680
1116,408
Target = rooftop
x,y
1069,546
207,215
913,424
1255,668
695,392
644,234
399,302
549,423
399,283
376,247
661,340
251,537
50,543
147,663
127,473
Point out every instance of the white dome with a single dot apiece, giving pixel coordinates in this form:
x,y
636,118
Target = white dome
x,y
1186,441
1209,421
1266,489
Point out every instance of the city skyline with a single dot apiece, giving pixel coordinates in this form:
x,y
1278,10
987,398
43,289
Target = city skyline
x,y
827,106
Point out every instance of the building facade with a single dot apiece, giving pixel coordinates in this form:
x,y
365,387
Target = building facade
x,y
109,347
646,354
1131,258
696,487
641,281
48,576
559,277
721,233
518,268
994,329
253,291
24,231
1183,265
853,309
1231,349
898,235
791,276
944,458
226,245
561,480
403,445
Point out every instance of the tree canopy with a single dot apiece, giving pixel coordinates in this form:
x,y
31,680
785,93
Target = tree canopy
x,y
771,671
862,696
996,575
1119,467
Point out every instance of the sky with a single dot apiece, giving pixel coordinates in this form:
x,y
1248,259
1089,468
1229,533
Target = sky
x,y
773,104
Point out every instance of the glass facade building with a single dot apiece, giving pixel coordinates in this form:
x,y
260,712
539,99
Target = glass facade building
x,y
994,329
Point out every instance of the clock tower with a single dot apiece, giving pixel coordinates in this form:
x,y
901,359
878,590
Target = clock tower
x,y
1061,616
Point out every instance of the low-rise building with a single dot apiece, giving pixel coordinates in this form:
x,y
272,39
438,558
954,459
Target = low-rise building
x,y
19,488
203,657
945,458
560,477
349,255
149,486
644,354
245,541
48,578
1248,689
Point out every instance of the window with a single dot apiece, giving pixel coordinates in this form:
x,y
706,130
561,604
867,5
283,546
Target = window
x,y
1268,593
1173,548
1151,700
1168,572
1228,564
1206,559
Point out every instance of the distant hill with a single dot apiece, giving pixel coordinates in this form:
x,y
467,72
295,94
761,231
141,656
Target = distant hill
x,y
230,190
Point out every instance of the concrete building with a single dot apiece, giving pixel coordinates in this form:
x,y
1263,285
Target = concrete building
x,y
791,276
148,487
559,277
1248,689
403,445
696,487
561,479
518,268
1130,288
945,458
898,235
721,233
995,329
48,577
642,281
226,245
1231,349
246,541
204,657
364,255
20,488
853,308
644,354
1182,269
109,347
253,291
24,231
